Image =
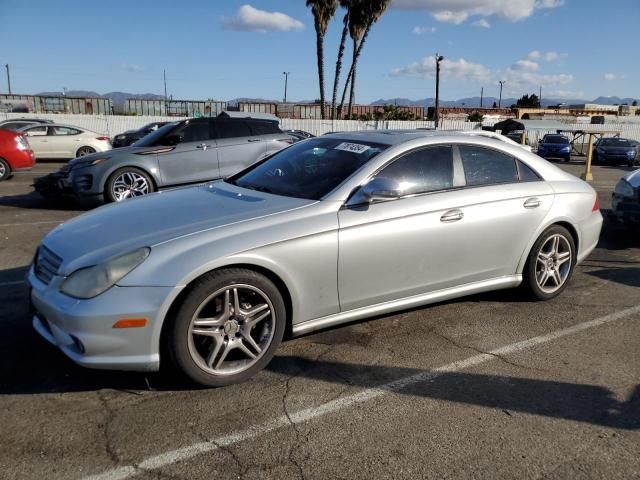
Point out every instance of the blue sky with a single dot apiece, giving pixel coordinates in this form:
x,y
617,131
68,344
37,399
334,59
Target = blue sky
x,y
224,49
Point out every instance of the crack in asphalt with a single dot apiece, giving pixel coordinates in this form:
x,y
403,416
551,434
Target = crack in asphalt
x,y
477,350
242,470
109,417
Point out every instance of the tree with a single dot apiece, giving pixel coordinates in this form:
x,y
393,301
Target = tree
x,y
372,10
343,40
528,101
634,103
495,105
475,117
323,11
357,25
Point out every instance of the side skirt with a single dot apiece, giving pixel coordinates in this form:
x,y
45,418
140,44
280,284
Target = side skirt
x,y
406,303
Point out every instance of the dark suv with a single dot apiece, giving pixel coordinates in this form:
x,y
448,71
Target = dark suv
x,y
179,153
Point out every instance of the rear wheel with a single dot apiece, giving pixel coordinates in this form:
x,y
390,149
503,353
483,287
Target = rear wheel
x,y
82,151
227,328
5,169
550,263
128,182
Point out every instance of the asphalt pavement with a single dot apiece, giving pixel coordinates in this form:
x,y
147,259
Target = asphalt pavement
x,y
490,386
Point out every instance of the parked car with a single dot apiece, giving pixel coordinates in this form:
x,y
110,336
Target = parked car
x,y
555,146
330,230
298,135
130,136
64,141
496,136
179,153
616,151
18,123
15,154
626,199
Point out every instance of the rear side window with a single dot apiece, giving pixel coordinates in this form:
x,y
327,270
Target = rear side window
x,y
526,173
64,131
425,170
483,166
232,129
36,131
264,128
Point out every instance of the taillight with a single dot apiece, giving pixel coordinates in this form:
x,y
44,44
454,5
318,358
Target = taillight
x,y
22,142
107,139
596,205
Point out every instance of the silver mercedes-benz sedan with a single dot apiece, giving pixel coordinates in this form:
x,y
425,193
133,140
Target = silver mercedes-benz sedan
x,y
330,230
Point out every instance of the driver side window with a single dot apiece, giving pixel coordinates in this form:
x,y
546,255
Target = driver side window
x,y
421,171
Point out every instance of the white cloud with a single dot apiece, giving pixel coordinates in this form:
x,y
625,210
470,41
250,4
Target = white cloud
x,y
457,11
482,23
546,56
526,65
132,67
423,30
459,69
610,76
250,19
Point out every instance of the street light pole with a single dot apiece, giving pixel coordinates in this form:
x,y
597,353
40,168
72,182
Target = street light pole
x,y
501,82
8,78
436,116
286,78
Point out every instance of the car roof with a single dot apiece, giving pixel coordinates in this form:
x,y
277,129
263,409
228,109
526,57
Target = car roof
x,y
55,125
397,137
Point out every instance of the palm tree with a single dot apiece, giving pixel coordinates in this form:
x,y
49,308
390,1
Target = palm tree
x,y
357,26
323,11
343,39
372,10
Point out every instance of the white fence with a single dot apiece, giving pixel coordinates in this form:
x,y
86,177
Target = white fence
x,y
113,124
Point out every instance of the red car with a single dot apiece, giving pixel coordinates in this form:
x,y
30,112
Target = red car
x,y
15,153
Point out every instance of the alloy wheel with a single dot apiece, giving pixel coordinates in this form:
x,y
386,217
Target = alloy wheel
x,y
129,184
85,151
231,329
3,170
553,263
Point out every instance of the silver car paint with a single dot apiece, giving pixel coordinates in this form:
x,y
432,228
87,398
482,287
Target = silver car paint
x,y
381,266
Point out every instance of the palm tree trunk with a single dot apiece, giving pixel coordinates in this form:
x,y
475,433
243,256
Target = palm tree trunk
x,y
352,92
343,40
353,65
320,55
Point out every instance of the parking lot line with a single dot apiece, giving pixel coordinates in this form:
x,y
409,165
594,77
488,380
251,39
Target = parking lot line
x,y
305,415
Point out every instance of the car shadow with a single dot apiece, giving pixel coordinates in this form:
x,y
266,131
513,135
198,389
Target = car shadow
x,y
34,200
629,276
591,404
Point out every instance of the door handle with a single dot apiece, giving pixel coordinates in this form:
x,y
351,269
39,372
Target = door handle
x,y
532,203
253,140
452,216
203,146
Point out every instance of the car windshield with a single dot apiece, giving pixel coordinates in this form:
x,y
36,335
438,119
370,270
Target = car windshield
x,y
615,142
308,169
556,139
153,137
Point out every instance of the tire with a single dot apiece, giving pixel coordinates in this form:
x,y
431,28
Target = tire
x,y
128,182
204,357
5,170
542,261
82,151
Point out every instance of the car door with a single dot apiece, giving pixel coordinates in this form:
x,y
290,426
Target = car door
x,y
63,141
193,158
460,227
237,147
39,140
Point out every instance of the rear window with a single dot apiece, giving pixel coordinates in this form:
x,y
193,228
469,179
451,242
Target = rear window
x,y
483,166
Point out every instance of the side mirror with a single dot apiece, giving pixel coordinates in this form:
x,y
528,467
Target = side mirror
x,y
172,140
378,189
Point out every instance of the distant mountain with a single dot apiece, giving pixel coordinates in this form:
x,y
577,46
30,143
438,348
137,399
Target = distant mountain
x,y
488,101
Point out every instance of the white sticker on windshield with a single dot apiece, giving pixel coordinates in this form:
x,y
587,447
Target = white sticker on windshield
x,y
352,147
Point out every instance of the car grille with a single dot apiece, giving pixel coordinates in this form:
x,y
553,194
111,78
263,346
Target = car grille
x,y
46,265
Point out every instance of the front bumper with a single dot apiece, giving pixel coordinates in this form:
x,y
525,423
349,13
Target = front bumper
x,y
554,154
82,329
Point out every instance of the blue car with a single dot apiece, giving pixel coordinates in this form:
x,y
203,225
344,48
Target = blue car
x,y
555,146
616,151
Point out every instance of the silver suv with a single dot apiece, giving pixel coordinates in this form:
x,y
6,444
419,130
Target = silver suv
x,y
179,153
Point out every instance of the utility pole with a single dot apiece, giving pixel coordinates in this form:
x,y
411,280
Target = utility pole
x,y
8,77
481,95
540,98
286,78
501,82
436,116
164,76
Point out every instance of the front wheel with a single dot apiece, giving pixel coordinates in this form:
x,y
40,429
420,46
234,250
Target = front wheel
x,y
5,169
227,328
128,182
550,263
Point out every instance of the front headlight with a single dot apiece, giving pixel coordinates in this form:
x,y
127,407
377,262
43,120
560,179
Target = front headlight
x,y
624,189
92,281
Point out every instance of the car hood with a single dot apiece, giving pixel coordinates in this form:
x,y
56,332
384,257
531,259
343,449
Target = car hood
x,y
617,149
117,229
633,178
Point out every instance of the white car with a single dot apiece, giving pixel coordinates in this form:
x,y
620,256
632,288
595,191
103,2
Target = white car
x,y
497,136
64,141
